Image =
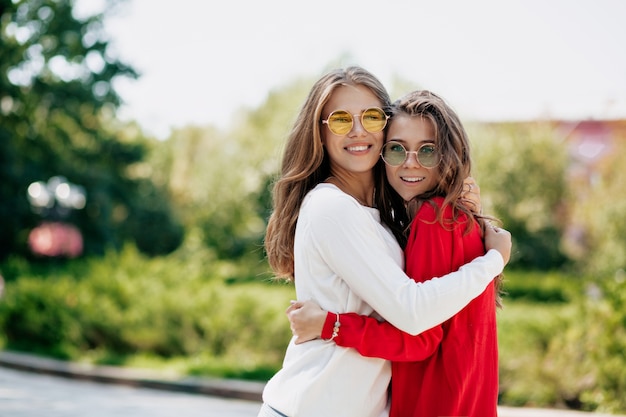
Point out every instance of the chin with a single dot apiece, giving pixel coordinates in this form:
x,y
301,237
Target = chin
x,y
408,196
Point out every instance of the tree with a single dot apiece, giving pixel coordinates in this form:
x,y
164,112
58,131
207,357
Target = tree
x,y
57,107
220,181
521,170
599,213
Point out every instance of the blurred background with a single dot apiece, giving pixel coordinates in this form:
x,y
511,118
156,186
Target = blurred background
x,y
139,141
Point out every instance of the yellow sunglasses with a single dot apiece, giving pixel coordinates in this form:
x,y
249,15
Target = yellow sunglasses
x,y
340,122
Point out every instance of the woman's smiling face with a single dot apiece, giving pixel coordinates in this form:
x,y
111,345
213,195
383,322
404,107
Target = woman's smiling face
x,y
410,179
358,150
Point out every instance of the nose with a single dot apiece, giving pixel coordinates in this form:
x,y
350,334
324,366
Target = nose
x,y
357,126
411,161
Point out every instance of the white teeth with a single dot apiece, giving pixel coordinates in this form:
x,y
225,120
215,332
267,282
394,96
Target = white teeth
x,y
412,179
357,148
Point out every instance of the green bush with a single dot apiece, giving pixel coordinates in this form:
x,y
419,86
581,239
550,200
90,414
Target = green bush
x,y
191,313
565,354
40,319
587,359
126,305
525,331
541,286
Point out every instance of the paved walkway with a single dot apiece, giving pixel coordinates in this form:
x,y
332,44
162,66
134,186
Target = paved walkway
x,y
29,394
246,394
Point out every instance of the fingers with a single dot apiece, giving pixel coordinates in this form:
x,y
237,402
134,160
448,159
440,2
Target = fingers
x,y
294,305
306,320
495,229
471,190
492,228
499,239
292,324
470,196
471,186
292,314
502,231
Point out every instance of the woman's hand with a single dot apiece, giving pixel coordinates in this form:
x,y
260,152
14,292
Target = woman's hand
x,y
307,320
471,195
500,240
495,237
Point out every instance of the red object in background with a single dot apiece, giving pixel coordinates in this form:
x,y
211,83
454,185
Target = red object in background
x,y
56,239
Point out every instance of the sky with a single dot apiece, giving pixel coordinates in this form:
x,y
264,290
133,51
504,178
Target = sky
x,y
202,61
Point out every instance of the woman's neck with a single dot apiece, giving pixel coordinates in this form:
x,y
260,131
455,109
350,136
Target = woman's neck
x,y
359,187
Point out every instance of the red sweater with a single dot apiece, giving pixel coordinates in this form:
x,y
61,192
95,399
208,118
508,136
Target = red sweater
x,y
452,369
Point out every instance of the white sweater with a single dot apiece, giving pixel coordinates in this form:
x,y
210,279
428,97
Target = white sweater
x,y
347,261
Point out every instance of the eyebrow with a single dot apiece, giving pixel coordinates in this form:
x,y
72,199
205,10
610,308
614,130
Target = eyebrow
x,y
404,142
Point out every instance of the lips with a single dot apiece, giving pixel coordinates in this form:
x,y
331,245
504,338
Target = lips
x,y
357,148
413,180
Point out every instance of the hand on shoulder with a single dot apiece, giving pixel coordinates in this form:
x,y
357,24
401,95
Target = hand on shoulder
x,y
500,240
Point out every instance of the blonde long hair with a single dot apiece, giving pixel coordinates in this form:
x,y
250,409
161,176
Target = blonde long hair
x,y
305,164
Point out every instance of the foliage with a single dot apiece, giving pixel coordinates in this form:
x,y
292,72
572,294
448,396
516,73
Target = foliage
x,y
525,331
600,213
188,312
595,341
537,307
566,354
552,287
57,107
521,172
220,182
125,304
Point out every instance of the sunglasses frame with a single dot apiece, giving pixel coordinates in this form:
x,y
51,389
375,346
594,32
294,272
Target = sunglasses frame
x,y
328,121
407,153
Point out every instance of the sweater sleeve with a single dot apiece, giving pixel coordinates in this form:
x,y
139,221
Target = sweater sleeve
x,y
380,339
352,246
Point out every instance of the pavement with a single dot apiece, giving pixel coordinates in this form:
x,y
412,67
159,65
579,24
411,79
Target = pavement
x,y
237,389
221,388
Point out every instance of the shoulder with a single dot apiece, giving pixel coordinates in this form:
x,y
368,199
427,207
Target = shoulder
x,y
327,198
430,208
326,201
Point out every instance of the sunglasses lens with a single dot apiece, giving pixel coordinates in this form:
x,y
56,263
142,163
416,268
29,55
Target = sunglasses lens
x,y
427,156
340,122
394,154
374,120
